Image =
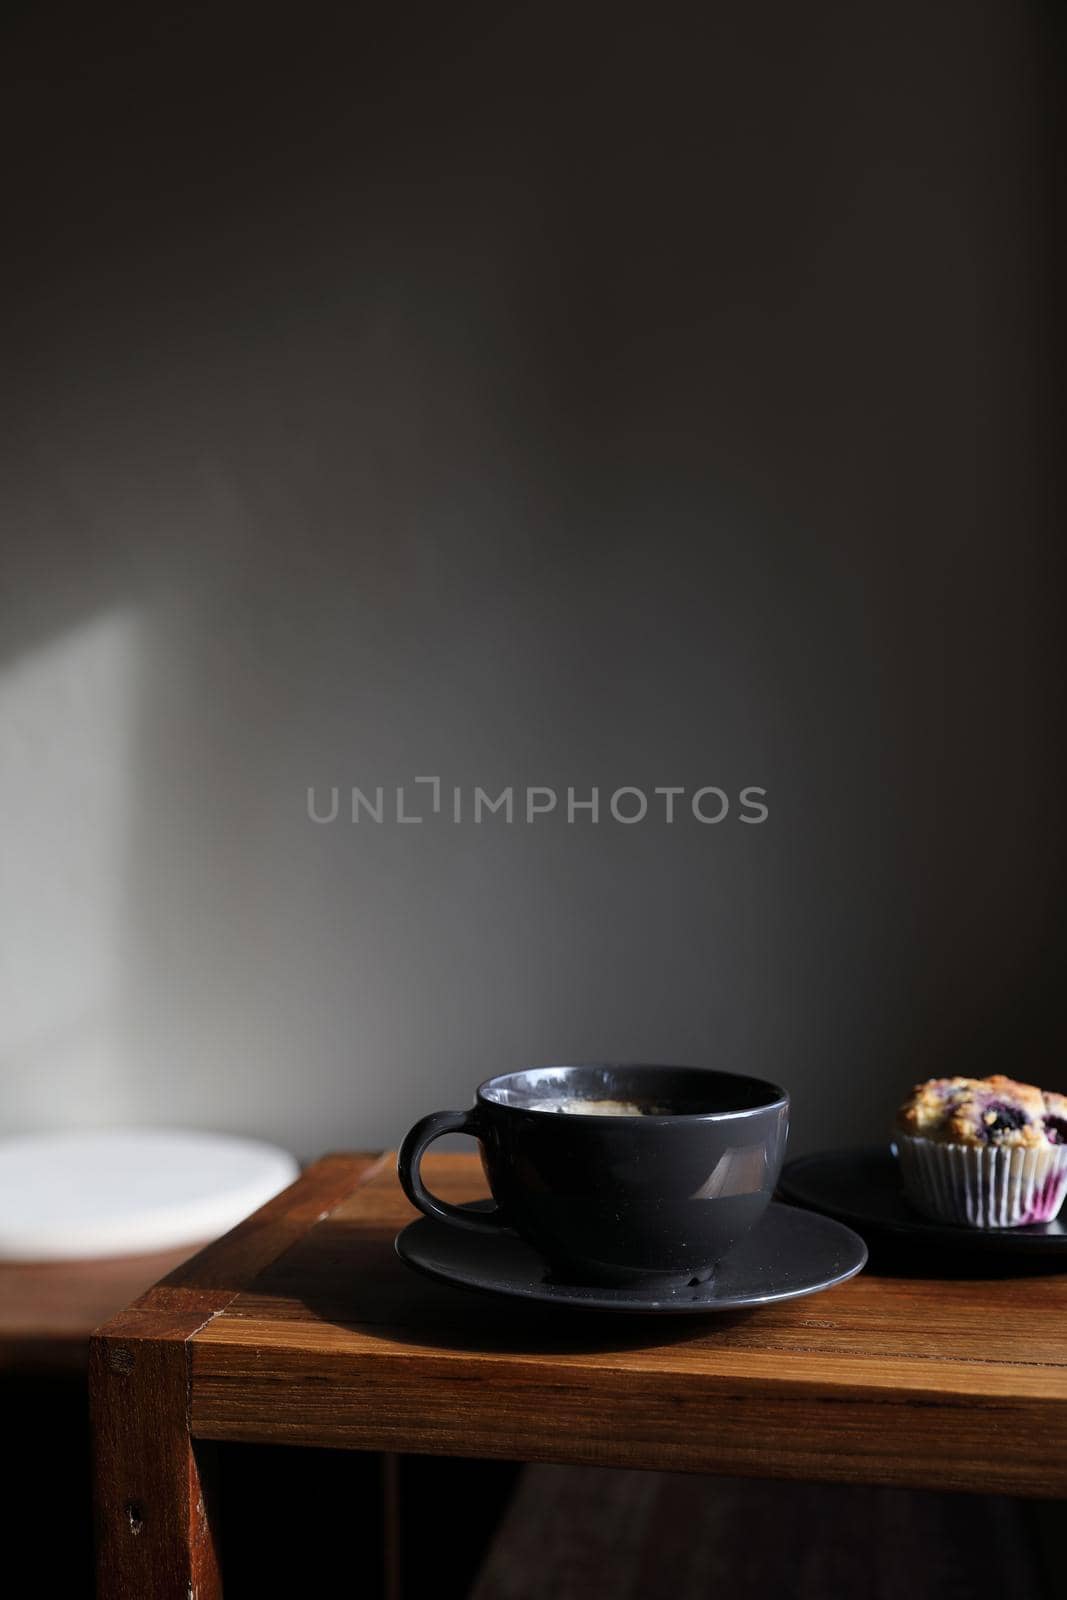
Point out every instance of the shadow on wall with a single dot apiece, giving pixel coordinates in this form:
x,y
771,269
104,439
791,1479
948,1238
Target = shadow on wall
x,y
523,399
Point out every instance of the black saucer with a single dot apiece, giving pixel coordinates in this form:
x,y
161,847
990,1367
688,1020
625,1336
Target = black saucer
x,y
862,1188
789,1253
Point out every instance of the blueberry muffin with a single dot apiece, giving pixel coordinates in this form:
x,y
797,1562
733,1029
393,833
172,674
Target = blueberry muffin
x,y
986,1152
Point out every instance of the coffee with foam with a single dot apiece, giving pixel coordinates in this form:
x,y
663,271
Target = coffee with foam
x,y
579,1107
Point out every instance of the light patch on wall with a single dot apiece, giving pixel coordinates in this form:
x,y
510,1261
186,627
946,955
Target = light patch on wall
x,y
66,731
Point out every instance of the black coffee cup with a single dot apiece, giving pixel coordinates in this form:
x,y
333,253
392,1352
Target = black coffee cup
x,y
616,1172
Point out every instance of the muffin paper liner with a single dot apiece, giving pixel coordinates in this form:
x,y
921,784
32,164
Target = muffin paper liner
x,y
985,1186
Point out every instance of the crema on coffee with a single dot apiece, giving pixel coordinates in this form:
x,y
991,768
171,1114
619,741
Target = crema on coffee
x,y
576,1107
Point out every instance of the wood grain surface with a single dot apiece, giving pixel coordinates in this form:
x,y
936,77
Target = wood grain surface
x,y
923,1381
153,1503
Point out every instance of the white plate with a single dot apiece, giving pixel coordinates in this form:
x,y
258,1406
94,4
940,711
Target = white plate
x,y
82,1195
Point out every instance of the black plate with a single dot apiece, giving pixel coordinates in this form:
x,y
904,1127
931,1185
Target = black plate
x,y
789,1253
862,1188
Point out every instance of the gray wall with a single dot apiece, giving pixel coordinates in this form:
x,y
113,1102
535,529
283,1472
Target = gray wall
x,y
523,395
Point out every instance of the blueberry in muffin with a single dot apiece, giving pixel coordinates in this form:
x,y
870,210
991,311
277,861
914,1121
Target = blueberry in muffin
x,y
1056,1118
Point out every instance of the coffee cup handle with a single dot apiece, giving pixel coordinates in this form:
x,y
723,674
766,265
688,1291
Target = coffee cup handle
x,y
409,1162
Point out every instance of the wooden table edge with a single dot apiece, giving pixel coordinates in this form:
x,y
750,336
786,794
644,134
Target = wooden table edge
x,y
204,1285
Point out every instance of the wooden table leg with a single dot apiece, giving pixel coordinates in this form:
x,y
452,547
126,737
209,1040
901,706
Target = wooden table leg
x,y
155,1521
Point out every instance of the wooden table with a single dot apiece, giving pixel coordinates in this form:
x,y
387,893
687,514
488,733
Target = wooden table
x,y
302,1327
